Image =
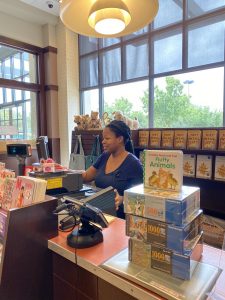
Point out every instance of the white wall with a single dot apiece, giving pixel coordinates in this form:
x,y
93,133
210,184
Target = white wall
x,y
21,30
68,81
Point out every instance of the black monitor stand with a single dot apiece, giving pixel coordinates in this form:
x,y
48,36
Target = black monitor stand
x,y
86,236
21,165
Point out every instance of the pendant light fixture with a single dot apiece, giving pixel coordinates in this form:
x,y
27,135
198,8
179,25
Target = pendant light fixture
x,y
107,18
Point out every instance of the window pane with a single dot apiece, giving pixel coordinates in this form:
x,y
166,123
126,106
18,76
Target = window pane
x,y
137,59
26,78
20,126
14,113
27,95
199,7
111,65
15,123
170,11
29,123
108,42
1,95
18,95
90,101
20,114
8,95
136,34
131,99
16,64
190,100
87,44
23,116
7,72
6,114
89,71
29,69
168,51
206,42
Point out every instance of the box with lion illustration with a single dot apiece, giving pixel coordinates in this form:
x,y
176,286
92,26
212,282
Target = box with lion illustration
x,y
163,169
166,206
220,168
189,165
176,238
204,166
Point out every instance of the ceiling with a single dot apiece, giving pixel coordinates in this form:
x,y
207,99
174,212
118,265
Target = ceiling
x,y
34,11
44,5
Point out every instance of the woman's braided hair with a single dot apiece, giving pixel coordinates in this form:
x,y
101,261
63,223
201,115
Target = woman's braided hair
x,y
119,128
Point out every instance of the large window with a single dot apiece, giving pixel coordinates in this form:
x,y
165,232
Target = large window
x,y
18,106
131,99
192,99
19,112
168,74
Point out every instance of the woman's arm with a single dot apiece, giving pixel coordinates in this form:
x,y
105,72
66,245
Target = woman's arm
x,y
118,199
89,174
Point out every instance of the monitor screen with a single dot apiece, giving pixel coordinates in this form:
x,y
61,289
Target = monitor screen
x,y
19,150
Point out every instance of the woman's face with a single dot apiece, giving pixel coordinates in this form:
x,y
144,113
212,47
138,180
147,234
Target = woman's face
x,y
110,142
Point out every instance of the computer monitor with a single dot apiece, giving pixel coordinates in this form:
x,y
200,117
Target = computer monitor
x,y
42,147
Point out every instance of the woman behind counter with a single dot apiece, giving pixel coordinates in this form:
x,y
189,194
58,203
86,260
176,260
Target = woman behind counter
x,y
117,166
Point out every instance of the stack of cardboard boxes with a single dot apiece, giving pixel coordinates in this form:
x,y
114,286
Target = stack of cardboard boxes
x,y
163,217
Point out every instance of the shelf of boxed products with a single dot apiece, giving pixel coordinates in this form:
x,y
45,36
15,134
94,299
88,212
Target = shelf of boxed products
x,y
177,138
198,164
185,151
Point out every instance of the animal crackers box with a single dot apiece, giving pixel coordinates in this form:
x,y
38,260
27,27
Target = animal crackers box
x,y
220,168
163,169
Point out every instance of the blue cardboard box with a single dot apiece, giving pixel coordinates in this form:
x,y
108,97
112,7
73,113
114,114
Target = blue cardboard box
x,y
156,257
176,238
161,205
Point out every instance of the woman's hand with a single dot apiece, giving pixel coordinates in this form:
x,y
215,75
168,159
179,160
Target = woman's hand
x,y
118,199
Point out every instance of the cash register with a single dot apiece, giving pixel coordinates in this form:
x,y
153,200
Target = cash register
x,y
68,184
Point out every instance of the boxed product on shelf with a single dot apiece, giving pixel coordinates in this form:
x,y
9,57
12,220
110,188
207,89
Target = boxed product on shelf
x,y
204,166
3,217
167,138
194,139
155,257
221,142
219,168
180,139
143,138
2,165
189,162
8,193
4,173
163,169
209,139
175,238
166,206
155,138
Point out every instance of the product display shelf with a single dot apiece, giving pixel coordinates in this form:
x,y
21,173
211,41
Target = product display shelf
x,y
25,267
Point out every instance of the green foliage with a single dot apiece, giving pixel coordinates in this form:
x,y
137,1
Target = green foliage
x,y
172,108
